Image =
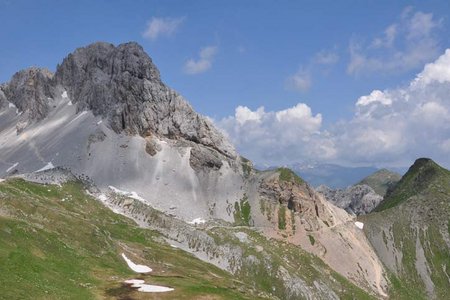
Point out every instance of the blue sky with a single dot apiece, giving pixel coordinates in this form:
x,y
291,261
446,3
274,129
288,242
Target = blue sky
x,y
222,55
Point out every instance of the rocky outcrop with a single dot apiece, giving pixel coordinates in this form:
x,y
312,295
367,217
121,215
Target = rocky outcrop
x,y
3,101
297,197
122,84
31,91
358,199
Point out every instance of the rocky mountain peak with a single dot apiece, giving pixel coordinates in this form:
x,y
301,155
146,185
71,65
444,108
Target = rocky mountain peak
x,y
102,62
30,91
123,86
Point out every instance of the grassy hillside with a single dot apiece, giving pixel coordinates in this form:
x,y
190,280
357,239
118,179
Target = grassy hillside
x,y
381,181
60,243
411,231
423,175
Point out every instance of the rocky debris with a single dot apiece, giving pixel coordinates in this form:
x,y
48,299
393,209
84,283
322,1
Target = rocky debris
x,y
151,146
123,85
56,176
31,91
204,158
358,199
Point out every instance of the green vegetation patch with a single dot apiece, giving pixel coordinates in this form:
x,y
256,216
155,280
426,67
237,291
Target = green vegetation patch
x,y
288,175
242,212
282,217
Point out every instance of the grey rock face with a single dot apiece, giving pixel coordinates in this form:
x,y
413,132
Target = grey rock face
x,y
357,199
3,100
31,91
122,84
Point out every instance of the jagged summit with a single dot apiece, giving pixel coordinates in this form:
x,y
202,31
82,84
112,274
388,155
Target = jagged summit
x,y
30,90
119,83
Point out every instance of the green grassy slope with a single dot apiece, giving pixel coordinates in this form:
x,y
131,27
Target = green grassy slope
x,y
59,243
421,176
381,181
410,232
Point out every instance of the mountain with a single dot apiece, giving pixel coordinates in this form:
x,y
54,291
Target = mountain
x,y
105,171
364,196
105,122
381,181
410,232
331,175
359,199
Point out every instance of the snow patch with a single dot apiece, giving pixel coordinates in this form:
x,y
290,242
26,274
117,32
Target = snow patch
x,y
48,166
133,195
64,95
11,105
1,179
360,225
147,288
197,221
99,122
134,281
102,197
12,167
136,268
77,117
70,103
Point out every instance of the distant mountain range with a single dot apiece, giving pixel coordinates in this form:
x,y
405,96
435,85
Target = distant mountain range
x,y
332,175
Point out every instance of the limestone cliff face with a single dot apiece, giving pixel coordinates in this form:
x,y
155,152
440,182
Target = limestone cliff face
x,y
107,115
122,84
31,91
298,198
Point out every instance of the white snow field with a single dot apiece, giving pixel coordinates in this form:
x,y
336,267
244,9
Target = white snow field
x,y
197,221
147,288
12,167
48,166
136,268
360,225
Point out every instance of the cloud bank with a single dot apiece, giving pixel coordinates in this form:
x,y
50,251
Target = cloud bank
x,y
389,127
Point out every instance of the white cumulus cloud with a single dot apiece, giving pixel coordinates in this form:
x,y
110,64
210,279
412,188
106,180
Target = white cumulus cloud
x,y
389,128
157,27
277,136
203,63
